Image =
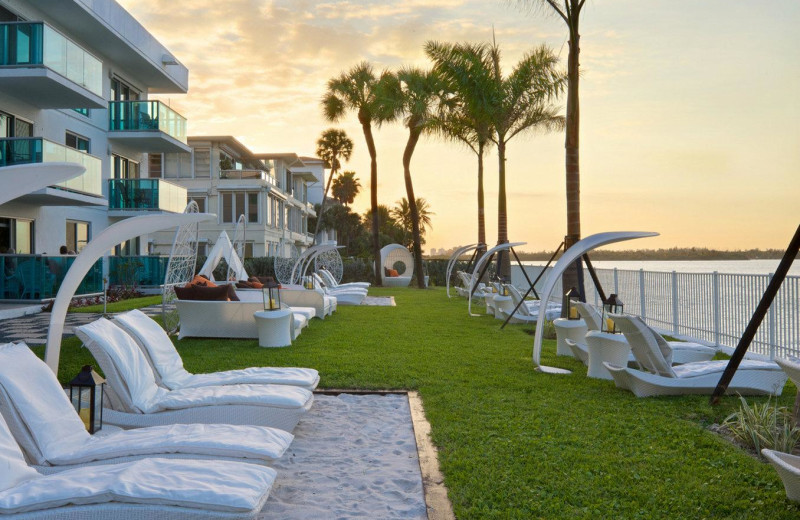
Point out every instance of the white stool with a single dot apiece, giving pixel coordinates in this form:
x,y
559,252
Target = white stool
x,y
274,327
574,330
502,303
611,348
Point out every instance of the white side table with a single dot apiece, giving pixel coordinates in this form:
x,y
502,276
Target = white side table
x,y
611,348
488,298
574,330
502,303
274,327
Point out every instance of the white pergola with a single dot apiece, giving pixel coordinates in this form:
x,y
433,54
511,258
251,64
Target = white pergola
x,y
452,262
475,276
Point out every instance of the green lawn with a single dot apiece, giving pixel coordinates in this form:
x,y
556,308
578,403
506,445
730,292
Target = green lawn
x,y
514,443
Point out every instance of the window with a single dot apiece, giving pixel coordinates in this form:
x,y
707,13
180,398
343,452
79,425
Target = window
x,y
16,236
82,111
248,249
77,235
155,165
128,248
77,142
200,200
12,126
121,91
235,203
124,168
8,16
202,163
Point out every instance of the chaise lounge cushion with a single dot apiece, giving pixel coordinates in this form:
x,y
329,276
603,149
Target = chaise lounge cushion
x,y
13,468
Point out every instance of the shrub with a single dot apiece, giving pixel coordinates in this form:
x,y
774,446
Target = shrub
x,y
764,426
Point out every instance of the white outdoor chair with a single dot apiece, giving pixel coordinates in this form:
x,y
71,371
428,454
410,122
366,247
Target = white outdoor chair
x,y
528,312
331,282
137,490
397,256
53,437
168,367
135,400
788,468
343,296
682,351
659,377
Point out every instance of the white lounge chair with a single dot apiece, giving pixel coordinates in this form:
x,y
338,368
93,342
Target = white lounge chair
x,y
661,378
788,468
343,296
790,365
682,351
137,490
135,400
331,282
168,366
54,438
528,312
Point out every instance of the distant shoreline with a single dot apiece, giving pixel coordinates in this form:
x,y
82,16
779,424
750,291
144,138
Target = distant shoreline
x,y
690,253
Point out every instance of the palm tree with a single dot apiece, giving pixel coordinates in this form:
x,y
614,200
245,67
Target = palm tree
x,y
401,214
358,90
346,187
465,120
516,103
570,12
331,145
415,95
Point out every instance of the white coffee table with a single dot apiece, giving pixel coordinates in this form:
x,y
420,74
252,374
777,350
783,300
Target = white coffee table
x,y
502,303
274,327
611,348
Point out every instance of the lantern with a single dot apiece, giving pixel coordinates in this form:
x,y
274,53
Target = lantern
x,y
86,394
271,293
503,289
309,282
612,305
572,297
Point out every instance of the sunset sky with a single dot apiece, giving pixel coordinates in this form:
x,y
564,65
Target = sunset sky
x,y
690,110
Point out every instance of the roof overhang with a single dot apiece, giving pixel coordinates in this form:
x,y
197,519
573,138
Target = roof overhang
x,y
148,141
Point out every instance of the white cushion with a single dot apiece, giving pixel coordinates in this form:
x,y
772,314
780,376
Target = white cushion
x,y
199,484
13,468
702,368
277,396
40,401
129,361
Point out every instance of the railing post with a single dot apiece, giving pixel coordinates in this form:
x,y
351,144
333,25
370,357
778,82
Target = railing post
x,y
717,308
641,295
674,302
616,281
772,324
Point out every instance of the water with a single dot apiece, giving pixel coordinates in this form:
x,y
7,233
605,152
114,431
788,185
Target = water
x,y
694,266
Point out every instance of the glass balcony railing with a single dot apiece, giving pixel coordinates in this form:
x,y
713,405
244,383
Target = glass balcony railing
x,y
248,174
135,116
146,195
132,271
36,277
28,150
26,44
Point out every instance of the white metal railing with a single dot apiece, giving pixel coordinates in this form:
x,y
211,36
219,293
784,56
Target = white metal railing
x,y
713,308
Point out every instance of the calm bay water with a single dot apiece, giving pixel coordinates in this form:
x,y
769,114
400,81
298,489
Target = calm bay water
x,y
695,266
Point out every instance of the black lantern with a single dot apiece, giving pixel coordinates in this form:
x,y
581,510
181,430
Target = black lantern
x,y
573,297
86,394
310,282
503,289
271,293
612,305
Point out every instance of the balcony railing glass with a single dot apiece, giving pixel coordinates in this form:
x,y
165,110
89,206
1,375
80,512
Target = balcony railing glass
x,y
26,44
134,116
146,195
132,271
36,277
248,174
28,150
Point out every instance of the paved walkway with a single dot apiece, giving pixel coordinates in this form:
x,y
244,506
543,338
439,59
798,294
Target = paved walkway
x,y
32,329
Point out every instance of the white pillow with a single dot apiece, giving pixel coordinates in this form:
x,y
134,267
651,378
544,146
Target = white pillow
x,y
13,468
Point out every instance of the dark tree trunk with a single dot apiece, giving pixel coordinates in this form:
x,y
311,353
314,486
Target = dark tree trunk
x,y
322,206
503,258
481,203
373,198
413,138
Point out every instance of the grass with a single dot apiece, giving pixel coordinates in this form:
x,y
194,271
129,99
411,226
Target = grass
x,y
121,306
514,443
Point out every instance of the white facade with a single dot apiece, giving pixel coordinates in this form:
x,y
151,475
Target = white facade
x,y
93,56
271,190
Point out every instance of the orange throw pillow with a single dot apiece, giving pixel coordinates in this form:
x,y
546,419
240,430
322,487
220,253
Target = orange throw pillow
x,y
202,281
393,272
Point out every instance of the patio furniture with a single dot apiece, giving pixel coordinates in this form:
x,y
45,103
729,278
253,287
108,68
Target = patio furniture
x,y
352,296
331,282
659,377
602,348
573,330
274,328
788,468
141,489
168,366
790,365
528,311
219,319
54,438
135,400
397,264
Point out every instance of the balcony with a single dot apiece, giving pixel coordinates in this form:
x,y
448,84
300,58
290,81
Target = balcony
x,y
42,67
36,277
247,175
130,197
86,189
147,126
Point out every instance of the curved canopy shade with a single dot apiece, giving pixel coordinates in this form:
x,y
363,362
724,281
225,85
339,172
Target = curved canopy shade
x,y
22,179
392,253
93,251
453,259
570,255
324,248
300,265
479,264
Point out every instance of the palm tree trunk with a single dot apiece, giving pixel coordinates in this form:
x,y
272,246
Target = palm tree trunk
x,y
322,206
503,259
373,199
481,204
570,277
413,138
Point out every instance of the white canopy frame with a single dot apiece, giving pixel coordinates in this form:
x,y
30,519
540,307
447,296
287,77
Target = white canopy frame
x,y
568,258
331,261
104,241
452,262
238,248
22,179
180,267
476,270
223,249
301,265
284,267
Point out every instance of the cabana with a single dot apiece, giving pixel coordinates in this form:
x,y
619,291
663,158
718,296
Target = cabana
x,y
223,249
398,265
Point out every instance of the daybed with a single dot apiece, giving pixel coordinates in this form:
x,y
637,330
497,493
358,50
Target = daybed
x,y
135,400
209,319
392,257
295,296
